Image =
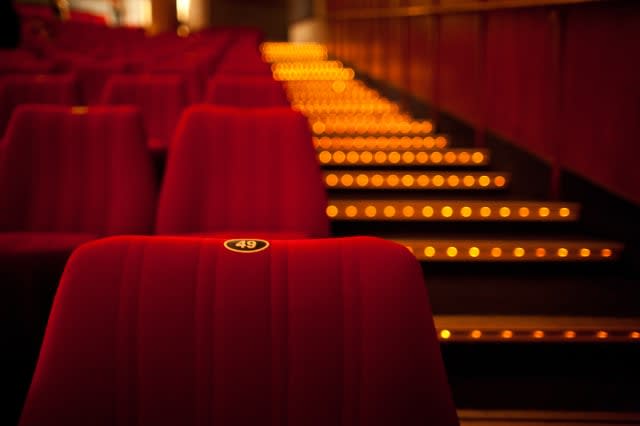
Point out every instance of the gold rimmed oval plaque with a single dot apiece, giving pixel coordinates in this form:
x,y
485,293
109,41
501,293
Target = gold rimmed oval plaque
x,y
246,245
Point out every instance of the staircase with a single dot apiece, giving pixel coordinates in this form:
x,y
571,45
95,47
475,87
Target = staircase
x,y
536,309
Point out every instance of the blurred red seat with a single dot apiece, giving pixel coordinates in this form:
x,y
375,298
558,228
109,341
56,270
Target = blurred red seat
x,y
182,331
250,170
246,91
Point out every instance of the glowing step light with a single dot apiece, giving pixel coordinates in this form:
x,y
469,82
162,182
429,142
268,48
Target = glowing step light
x,y
481,329
324,109
318,74
511,251
366,125
385,143
380,179
283,51
407,157
307,66
452,210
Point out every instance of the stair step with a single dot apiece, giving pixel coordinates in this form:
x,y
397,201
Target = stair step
x,y
405,158
382,143
542,329
511,250
285,51
370,125
326,108
383,180
448,210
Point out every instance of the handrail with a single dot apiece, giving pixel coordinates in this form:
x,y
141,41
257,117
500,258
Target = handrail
x,y
472,6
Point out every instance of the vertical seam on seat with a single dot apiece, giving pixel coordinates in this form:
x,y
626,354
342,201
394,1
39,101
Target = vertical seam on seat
x,y
203,336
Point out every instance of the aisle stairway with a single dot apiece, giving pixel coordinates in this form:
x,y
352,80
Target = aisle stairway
x,y
512,279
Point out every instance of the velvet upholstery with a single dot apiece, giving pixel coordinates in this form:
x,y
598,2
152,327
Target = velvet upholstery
x,y
244,170
246,91
181,331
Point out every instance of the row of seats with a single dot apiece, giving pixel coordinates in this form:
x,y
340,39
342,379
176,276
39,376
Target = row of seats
x,y
161,98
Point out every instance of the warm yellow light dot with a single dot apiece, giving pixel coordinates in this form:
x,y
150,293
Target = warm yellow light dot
x,y
499,181
464,157
429,251
496,252
474,252
380,157
445,334
569,334
485,211
339,157
366,157
393,180
408,157
477,157
468,181
339,86
484,180
605,253
504,211
564,212
540,252
447,211
438,180
518,252
466,211
441,142
377,180
389,211
319,127
452,251
543,212
562,252
602,334
407,180
370,211
423,180
453,180
362,180
351,211
538,334
394,157
347,180
634,335
422,157
353,157
331,179
324,156
524,211
332,211
476,334
450,157
506,334
427,211
436,157
585,252
408,211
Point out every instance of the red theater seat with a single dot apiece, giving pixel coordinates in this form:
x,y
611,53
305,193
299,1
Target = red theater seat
x,y
182,331
66,176
161,98
249,170
42,89
246,91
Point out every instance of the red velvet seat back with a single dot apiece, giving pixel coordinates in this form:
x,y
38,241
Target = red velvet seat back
x,y
157,331
76,170
160,98
232,169
246,91
41,89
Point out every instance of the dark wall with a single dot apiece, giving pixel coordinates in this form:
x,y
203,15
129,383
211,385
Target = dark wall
x,y
272,16
558,81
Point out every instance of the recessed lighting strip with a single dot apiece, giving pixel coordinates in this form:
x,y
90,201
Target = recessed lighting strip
x,y
567,330
384,143
452,210
405,157
378,179
364,125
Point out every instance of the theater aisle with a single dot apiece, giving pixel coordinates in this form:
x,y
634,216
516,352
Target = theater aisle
x,y
536,308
